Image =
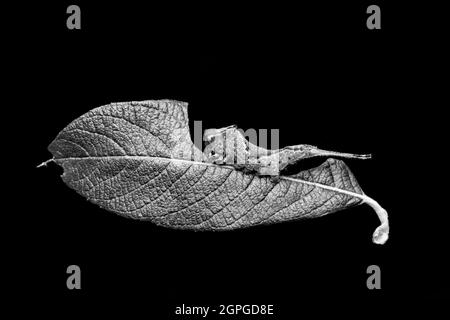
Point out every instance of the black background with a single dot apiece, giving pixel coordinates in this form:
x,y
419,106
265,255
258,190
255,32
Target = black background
x,y
313,71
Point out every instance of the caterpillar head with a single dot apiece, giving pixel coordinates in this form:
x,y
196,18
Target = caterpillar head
x,y
215,150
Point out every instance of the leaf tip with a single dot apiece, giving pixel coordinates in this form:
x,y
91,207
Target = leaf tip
x,y
381,235
44,164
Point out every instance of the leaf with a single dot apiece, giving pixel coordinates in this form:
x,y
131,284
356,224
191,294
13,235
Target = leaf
x,y
137,159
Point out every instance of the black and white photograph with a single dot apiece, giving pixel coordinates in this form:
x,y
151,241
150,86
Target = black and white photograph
x,y
228,161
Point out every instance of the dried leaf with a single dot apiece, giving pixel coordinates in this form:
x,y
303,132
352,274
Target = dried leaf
x,y
137,159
